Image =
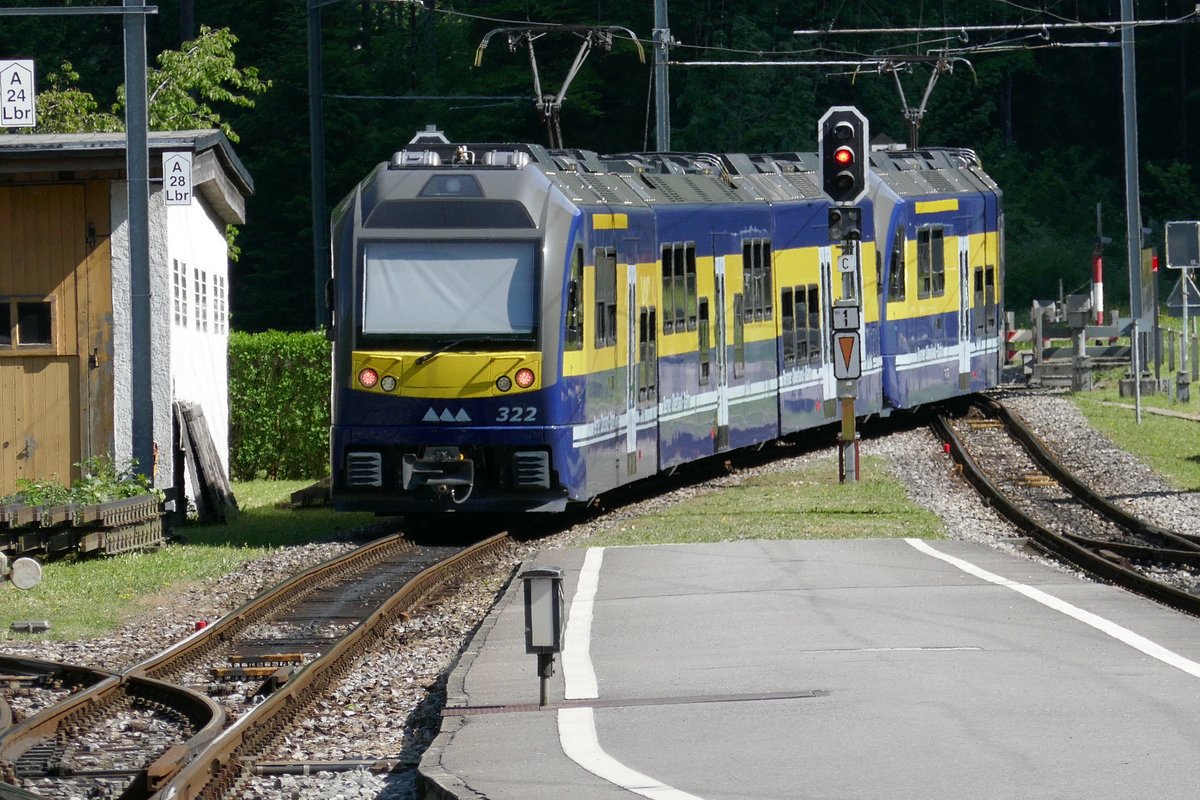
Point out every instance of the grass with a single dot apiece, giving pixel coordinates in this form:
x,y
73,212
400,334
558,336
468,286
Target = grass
x,y
808,503
1171,446
90,597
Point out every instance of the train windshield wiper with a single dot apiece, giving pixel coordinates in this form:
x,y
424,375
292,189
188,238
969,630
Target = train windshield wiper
x,y
438,351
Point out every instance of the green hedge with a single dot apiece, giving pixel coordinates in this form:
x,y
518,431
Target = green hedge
x,y
278,405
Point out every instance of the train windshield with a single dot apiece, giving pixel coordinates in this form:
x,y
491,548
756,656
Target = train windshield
x,y
433,289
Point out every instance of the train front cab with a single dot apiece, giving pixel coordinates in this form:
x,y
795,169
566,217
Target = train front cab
x,y
442,390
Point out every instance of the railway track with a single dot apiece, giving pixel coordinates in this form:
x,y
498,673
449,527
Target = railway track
x,y
202,700
1023,480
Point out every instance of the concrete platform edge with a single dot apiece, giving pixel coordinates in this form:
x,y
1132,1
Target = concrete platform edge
x,y
434,782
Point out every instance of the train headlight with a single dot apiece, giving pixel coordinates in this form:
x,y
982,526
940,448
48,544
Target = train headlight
x,y
388,384
525,377
504,383
367,378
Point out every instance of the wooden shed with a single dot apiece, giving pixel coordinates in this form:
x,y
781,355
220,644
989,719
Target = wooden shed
x,y
65,354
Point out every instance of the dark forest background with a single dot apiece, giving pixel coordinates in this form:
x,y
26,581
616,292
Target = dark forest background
x,y
1044,114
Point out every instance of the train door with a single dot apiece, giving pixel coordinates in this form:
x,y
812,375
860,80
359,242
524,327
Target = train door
x,y
631,379
828,382
964,312
720,324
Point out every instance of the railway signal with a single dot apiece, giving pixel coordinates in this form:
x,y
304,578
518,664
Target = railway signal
x,y
844,135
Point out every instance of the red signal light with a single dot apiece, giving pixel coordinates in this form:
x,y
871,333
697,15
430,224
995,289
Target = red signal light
x,y
844,156
368,377
525,377
1154,263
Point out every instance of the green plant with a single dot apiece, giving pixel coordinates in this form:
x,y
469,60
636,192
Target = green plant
x,y
103,481
40,493
278,405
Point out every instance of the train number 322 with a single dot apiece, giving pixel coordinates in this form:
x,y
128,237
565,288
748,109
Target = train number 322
x,y
516,414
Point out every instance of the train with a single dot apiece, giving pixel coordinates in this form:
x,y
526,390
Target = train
x,y
519,329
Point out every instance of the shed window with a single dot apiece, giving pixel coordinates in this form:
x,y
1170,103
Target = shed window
x,y
33,324
26,323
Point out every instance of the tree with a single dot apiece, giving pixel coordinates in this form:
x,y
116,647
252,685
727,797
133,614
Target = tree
x,y
65,108
188,80
184,86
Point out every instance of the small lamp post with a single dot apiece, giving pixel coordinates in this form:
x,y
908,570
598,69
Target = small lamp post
x,y
544,619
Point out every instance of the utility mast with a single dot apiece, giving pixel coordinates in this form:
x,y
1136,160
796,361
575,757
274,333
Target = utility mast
x,y
662,86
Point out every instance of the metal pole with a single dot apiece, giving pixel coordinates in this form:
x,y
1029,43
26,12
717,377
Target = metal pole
x,y
137,171
1183,353
662,89
316,139
1133,214
1137,371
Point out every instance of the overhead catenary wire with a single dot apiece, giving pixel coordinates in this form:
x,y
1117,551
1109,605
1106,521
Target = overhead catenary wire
x,y
1110,26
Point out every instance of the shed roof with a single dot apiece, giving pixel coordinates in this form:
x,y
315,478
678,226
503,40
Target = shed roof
x,y
218,174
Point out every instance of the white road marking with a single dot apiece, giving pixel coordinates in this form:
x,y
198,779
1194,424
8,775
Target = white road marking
x,y
579,677
577,732
1118,632
577,726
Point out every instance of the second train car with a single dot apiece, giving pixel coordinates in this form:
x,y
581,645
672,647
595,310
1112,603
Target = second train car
x,y
517,329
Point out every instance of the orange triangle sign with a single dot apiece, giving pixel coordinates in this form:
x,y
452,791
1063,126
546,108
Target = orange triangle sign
x,y
846,343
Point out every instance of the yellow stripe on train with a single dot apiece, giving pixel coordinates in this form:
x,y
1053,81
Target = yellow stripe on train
x,y
934,206
456,375
610,222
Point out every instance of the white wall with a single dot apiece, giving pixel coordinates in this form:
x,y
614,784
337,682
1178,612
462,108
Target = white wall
x,y
188,360
197,257
160,366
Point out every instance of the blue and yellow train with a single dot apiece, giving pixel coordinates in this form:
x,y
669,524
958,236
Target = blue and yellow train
x,y
518,329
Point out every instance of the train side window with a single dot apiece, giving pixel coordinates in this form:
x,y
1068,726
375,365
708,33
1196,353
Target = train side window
x,y
678,311
814,325
978,300
878,273
668,288
896,274
647,353
575,302
6,331
704,346
937,261
739,335
689,270
787,315
924,265
756,279
989,297
606,296
768,292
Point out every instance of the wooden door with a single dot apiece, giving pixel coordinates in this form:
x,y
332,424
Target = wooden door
x,y
43,362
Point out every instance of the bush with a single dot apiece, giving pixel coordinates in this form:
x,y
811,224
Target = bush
x,y
278,405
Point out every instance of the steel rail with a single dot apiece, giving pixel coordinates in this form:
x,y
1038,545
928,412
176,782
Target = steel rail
x,y
179,656
215,772
149,681
1094,500
1086,558
205,717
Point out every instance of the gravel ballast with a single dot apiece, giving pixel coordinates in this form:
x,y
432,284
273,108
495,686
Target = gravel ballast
x,y
388,708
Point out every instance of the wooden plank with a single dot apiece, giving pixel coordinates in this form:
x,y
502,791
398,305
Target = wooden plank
x,y
205,464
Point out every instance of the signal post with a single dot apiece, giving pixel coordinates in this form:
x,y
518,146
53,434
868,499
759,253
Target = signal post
x,y
843,135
